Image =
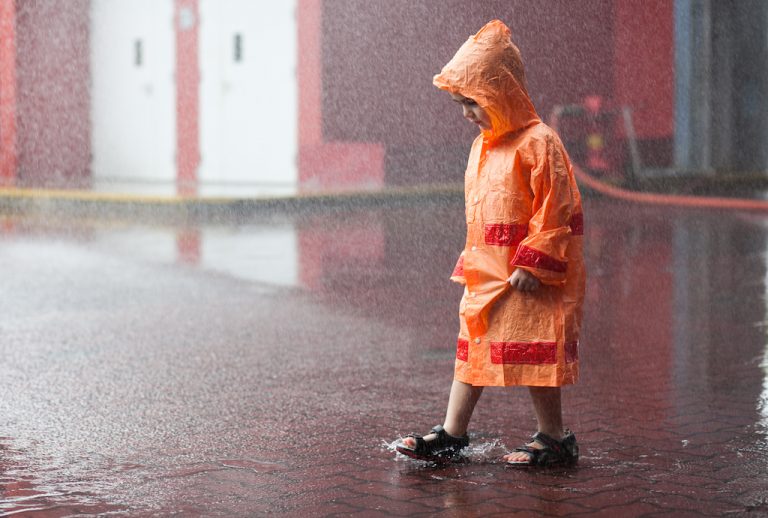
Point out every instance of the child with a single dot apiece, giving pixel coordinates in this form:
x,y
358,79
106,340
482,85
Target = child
x,y
522,264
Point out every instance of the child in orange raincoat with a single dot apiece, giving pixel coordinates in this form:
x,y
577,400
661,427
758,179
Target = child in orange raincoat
x,y
522,264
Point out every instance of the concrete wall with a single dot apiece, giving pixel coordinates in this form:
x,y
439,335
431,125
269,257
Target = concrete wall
x,y
721,86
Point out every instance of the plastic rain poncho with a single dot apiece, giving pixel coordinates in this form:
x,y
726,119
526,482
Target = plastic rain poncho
x,y
523,210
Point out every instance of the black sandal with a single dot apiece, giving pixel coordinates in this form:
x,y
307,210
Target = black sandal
x,y
554,453
443,448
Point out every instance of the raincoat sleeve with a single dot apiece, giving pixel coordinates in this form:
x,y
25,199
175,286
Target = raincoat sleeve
x,y
543,251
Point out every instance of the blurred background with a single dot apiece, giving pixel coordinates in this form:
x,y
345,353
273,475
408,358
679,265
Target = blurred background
x,y
247,97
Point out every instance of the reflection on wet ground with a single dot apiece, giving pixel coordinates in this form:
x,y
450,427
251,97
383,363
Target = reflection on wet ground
x,y
266,368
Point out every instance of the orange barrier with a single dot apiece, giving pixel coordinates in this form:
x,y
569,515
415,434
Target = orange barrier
x,y
705,202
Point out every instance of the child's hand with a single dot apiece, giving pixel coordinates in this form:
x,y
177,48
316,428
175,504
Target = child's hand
x,y
524,281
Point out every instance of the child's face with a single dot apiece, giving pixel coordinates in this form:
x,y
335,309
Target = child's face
x,y
472,111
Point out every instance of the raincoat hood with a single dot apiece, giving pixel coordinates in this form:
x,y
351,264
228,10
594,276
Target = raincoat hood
x,y
488,68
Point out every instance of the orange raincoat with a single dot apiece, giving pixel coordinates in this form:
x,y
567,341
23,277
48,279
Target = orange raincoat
x,y
523,210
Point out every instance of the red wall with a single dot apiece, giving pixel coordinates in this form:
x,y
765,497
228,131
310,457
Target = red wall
x,y
327,163
379,56
53,98
186,23
7,92
643,67
369,114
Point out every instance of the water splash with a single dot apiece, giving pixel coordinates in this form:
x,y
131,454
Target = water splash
x,y
485,451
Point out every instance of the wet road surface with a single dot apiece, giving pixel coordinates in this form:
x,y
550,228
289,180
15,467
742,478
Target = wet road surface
x,y
267,368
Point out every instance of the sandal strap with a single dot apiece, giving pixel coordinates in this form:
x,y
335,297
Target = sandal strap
x,y
438,430
548,442
536,456
552,451
528,449
442,441
447,438
532,453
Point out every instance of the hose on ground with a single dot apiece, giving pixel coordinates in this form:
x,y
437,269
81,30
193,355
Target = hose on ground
x,y
675,200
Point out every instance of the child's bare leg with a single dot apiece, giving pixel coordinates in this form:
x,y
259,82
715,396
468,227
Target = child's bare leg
x,y
549,415
461,404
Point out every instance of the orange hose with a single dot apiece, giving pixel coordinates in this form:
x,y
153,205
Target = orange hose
x,y
707,202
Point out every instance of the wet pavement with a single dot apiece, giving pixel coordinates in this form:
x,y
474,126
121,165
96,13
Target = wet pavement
x,y
265,368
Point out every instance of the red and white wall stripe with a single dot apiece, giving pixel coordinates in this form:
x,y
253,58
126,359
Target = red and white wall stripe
x,y
7,91
186,25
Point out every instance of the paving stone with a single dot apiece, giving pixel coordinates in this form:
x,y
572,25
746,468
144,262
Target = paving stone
x,y
203,394
393,507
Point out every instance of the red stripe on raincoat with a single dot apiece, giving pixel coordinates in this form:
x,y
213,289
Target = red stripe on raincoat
x,y
462,350
502,234
534,259
536,353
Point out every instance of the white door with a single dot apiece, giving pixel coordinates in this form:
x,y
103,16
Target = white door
x,y
133,94
248,97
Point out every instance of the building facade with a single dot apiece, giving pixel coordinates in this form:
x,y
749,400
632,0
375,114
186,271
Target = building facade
x,y
249,97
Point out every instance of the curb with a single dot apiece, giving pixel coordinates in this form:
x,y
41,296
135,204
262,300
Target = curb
x,y
79,203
